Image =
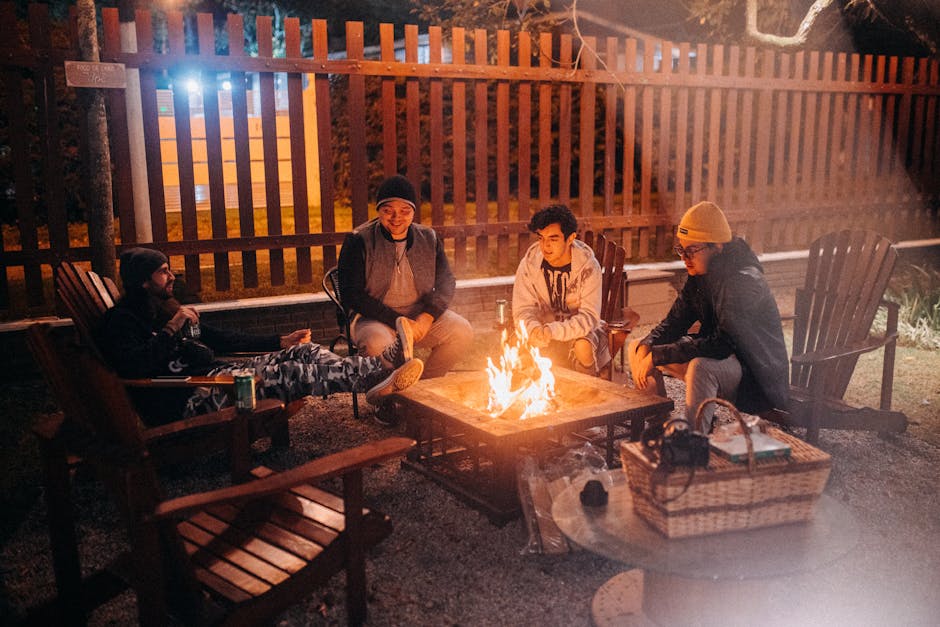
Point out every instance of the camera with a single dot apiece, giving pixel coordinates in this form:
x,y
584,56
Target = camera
x,y
681,446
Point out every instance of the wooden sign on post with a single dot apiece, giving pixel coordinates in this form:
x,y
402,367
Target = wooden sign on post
x,y
93,74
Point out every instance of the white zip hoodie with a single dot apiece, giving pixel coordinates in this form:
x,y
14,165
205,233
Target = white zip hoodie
x,y
530,299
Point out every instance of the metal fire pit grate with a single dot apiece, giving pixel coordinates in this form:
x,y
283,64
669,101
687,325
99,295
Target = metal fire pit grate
x,y
474,454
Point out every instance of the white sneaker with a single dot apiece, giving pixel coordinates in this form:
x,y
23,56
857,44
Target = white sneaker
x,y
399,379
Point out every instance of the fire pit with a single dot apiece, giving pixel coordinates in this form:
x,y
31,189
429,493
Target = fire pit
x,y
463,447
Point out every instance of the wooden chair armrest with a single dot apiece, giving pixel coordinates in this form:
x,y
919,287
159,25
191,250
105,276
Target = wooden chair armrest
x,y
267,406
624,323
618,327
315,470
840,352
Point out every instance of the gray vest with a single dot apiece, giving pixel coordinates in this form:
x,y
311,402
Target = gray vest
x,y
380,258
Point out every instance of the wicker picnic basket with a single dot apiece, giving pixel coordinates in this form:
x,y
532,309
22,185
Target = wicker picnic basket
x,y
727,496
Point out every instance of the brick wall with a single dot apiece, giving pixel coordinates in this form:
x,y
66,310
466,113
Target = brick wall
x,y
475,300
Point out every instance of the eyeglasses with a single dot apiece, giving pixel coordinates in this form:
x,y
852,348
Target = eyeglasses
x,y
689,251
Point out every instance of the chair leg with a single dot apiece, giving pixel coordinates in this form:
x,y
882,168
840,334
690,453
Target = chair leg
x,y
355,552
812,427
660,382
355,405
65,560
240,449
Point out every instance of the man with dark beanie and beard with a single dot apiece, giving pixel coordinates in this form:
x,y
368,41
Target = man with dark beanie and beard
x,y
738,353
143,336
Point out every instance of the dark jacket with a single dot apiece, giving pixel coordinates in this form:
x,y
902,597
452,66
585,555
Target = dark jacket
x,y
133,341
367,260
738,315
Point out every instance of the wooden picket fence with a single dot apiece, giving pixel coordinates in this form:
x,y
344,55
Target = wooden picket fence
x,y
488,126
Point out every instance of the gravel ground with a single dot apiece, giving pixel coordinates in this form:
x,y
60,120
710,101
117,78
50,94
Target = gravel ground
x,y
446,564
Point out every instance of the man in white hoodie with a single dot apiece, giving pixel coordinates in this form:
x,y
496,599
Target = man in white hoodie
x,y
557,293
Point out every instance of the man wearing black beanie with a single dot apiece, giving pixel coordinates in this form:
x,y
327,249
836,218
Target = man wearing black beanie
x,y
393,271
142,336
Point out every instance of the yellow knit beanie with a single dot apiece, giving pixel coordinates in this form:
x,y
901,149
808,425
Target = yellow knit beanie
x,y
705,222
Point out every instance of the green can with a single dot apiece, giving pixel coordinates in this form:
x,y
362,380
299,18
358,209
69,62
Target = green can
x,y
244,390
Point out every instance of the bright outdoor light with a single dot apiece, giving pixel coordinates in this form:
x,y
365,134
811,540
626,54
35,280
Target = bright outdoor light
x,y
193,86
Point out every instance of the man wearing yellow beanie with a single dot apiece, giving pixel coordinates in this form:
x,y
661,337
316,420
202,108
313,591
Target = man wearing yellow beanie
x,y
738,353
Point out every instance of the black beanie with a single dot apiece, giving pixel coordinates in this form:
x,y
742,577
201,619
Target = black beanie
x,y
138,265
396,188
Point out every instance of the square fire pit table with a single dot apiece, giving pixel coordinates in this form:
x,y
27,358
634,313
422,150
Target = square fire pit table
x,y
474,455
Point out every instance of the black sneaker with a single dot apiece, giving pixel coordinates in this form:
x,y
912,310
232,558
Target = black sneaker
x,y
386,415
403,348
395,381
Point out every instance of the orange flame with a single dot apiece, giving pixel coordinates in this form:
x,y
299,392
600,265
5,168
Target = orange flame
x,y
522,366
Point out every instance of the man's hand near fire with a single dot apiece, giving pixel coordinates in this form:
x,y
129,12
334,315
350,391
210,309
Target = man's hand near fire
x,y
540,336
641,365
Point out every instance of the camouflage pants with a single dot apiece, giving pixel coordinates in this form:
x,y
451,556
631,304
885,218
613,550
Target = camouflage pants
x,y
291,374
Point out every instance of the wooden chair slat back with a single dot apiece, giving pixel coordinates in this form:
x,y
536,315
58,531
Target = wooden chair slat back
x,y
86,389
588,238
86,296
614,303
846,278
59,378
611,258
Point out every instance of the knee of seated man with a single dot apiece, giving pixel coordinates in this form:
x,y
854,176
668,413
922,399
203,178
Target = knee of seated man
x,y
584,352
463,331
453,331
699,367
375,343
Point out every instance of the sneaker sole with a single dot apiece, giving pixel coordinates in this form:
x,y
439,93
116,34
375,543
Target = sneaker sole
x,y
406,335
408,374
401,378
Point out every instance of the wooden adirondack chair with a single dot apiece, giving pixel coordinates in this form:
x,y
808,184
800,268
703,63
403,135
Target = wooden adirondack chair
x,y
611,257
87,297
237,555
846,278
63,443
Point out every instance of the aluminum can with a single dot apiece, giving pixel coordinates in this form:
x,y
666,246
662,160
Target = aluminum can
x,y
192,331
244,390
502,311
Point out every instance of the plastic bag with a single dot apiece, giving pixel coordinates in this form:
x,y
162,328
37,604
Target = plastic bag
x,y
540,484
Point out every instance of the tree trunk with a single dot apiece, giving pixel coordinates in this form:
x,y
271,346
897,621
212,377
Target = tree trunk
x,y
100,213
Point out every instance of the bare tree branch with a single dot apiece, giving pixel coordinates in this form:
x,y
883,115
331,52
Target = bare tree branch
x,y
797,39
